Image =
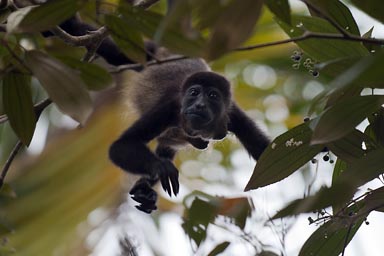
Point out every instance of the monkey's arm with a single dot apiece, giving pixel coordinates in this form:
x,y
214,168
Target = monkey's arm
x,y
252,138
130,152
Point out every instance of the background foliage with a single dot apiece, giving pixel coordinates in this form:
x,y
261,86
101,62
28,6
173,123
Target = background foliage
x,y
331,78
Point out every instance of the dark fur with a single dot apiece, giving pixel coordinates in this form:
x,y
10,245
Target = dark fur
x,y
160,93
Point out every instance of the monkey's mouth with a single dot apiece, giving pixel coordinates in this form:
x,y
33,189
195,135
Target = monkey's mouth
x,y
197,119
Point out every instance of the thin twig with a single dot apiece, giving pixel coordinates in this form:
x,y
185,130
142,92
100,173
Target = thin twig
x,y
308,34
13,154
121,68
39,107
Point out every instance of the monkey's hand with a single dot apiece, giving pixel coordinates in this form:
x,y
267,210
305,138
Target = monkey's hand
x,y
143,193
168,175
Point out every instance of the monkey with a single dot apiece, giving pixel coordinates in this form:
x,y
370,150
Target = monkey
x,y
179,103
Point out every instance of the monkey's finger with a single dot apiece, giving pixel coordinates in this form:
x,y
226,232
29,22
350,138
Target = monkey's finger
x,y
175,184
165,184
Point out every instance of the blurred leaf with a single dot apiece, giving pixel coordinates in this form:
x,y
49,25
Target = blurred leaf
x,y
16,17
219,249
349,147
374,8
7,191
337,121
234,25
64,86
329,238
149,24
198,216
18,105
46,15
284,155
94,76
5,251
205,208
280,8
127,38
57,190
336,11
321,49
323,198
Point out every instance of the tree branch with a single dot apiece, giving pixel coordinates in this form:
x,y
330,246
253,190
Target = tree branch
x,y
12,156
85,40
308,34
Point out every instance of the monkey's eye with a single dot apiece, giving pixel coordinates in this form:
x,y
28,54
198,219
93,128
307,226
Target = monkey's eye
x,y
193,92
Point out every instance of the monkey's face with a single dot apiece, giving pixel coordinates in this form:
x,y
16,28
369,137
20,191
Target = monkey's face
x,y
203,112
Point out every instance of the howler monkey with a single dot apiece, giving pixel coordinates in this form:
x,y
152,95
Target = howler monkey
x,y
179,102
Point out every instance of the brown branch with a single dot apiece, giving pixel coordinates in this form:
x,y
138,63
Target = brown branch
x,y
12,156
145,4
121,68
308,34
97,35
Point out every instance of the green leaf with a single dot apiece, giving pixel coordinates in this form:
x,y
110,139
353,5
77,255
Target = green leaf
x,y
370,47
219,249
18,105
323,198
329,239
364,169
48,15
280,8
338,121
64,86
284,155
349,147
340,167
95,77
127,38
321,49
205,208
149,23
374,8
234,25
336,11
199,215
377,127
